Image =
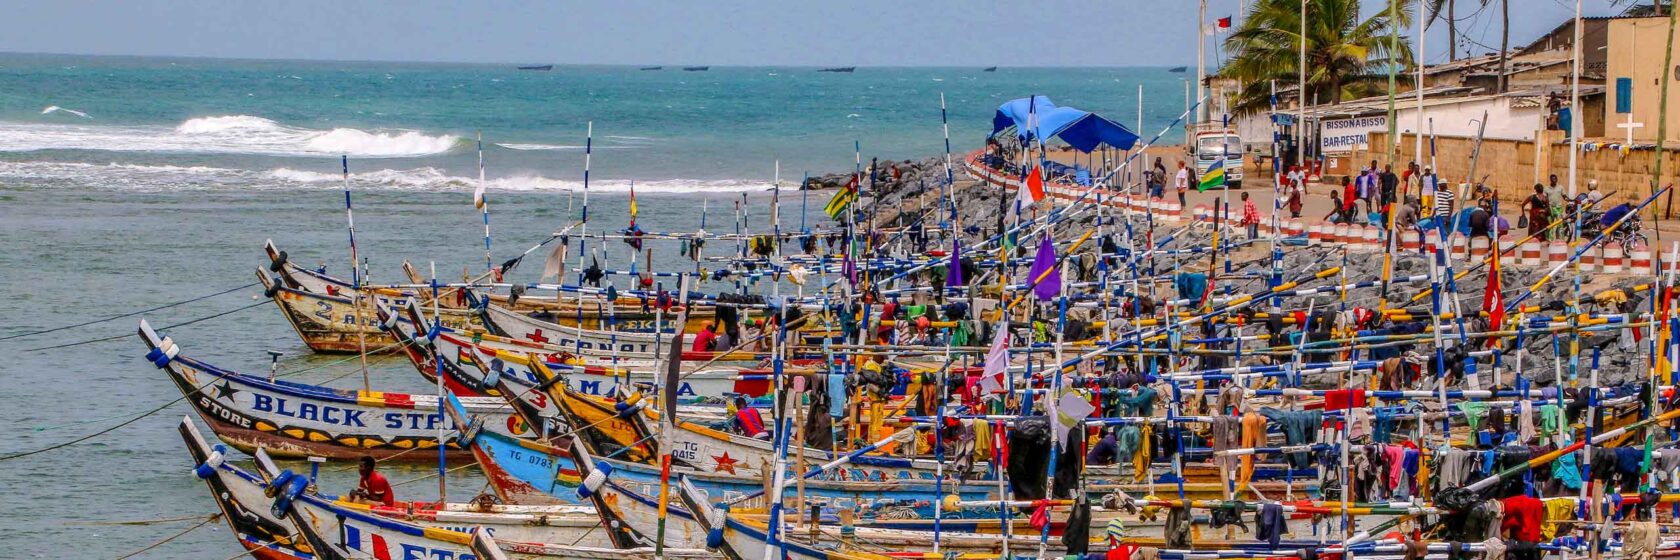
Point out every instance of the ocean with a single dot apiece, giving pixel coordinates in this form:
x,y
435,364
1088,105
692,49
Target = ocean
x,y
132,183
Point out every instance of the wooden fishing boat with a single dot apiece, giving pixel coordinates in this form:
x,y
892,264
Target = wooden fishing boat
x,y
336,324
471,363
539,68
300,420
239,492
840,69
696,68
243,506
636,516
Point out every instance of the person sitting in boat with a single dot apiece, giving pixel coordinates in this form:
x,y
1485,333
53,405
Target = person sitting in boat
x,y
747,420
373,488
706,338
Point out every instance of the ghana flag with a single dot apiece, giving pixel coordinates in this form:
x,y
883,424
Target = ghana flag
x,y
1215,176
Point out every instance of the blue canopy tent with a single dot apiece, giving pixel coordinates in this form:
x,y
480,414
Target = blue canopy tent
x,y
1083,130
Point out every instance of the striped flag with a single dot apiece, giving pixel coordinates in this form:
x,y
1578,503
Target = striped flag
x,y
1215,176
837,205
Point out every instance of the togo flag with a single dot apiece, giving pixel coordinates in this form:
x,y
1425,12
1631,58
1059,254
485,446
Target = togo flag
x,y
837,206
1215,176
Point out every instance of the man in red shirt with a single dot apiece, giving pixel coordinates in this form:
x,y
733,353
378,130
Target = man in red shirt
x,y
373,487
703,340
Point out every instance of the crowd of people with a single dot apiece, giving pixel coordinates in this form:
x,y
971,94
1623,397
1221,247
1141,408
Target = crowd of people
x,y
1421,200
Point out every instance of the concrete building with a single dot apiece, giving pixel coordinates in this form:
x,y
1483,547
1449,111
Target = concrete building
x,y
1633,74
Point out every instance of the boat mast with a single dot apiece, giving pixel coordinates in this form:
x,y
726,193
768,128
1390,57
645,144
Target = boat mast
x,y
355,275
483,204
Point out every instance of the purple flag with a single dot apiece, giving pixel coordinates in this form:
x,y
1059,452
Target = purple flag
x,y
953,276
1051,286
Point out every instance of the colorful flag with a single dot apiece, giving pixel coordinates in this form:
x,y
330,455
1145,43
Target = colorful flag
x,y
1045,274
1225,22
837,205
953,272
1493,302
997,362
1215,176
1035,184
478,196
632,204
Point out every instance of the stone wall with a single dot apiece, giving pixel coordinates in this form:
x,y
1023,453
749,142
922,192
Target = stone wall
x,y
1511,165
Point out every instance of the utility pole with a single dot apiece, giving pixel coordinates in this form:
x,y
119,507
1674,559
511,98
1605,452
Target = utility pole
x,y
1301,94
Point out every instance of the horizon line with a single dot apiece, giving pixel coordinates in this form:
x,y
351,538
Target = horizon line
x,y
559,64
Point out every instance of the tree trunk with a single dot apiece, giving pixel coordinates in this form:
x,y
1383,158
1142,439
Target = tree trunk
x,y
1452,32
1504,42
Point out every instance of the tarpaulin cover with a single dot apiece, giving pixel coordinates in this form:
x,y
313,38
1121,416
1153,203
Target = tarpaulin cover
x,y
1037,118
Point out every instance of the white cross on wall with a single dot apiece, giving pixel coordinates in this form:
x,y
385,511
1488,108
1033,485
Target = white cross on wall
x,y
1629,126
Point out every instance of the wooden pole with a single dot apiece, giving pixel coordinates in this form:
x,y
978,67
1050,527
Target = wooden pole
x,y
1662,110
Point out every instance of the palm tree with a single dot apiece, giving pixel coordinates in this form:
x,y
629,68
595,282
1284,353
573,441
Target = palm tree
x,y
1346,55
1435,7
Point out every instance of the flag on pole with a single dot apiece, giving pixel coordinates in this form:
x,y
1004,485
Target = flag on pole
x,y
632,204
997,362
954,273
1493,302
1225,22
478,196
837,205
1214,177
1045,274
1031,191
1071,410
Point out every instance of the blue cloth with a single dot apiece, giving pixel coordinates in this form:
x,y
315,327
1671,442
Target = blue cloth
x,y
1382,429
1563,121
836,395
1036,118
1614,214
1190,285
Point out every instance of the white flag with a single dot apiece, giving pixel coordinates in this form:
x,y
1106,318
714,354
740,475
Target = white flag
x,y
1071,410
997,363
556,262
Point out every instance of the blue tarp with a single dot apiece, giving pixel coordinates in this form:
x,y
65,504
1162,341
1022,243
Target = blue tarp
x,y
1083,130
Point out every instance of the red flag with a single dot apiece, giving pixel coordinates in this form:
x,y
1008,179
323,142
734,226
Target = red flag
x,y
1493,302
1225,22
1035,184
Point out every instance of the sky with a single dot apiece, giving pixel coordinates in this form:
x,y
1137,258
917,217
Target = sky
x,y
714,32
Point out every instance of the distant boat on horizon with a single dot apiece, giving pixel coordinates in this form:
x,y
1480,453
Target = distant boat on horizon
x,y
1179,69
845,69
539,68
653,67
990,69
696,68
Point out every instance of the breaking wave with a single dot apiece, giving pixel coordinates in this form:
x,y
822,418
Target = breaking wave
x,y
166,178
225,134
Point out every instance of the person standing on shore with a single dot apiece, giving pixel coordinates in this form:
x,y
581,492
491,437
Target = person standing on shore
x,y
1539,212
1158,180
1349,197
1558,199
1390,184
1427,183
1182,182
1297,198
1251,217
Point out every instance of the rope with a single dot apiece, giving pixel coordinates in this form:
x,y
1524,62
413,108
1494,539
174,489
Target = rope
x,y
143,521
434,475
131,314
200,319
179,399
207,521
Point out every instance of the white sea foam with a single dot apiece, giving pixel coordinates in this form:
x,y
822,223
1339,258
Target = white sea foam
x,y
54,109
530,147
165,178
225,134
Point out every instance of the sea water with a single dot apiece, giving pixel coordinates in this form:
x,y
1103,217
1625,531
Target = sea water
x,y
166,189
